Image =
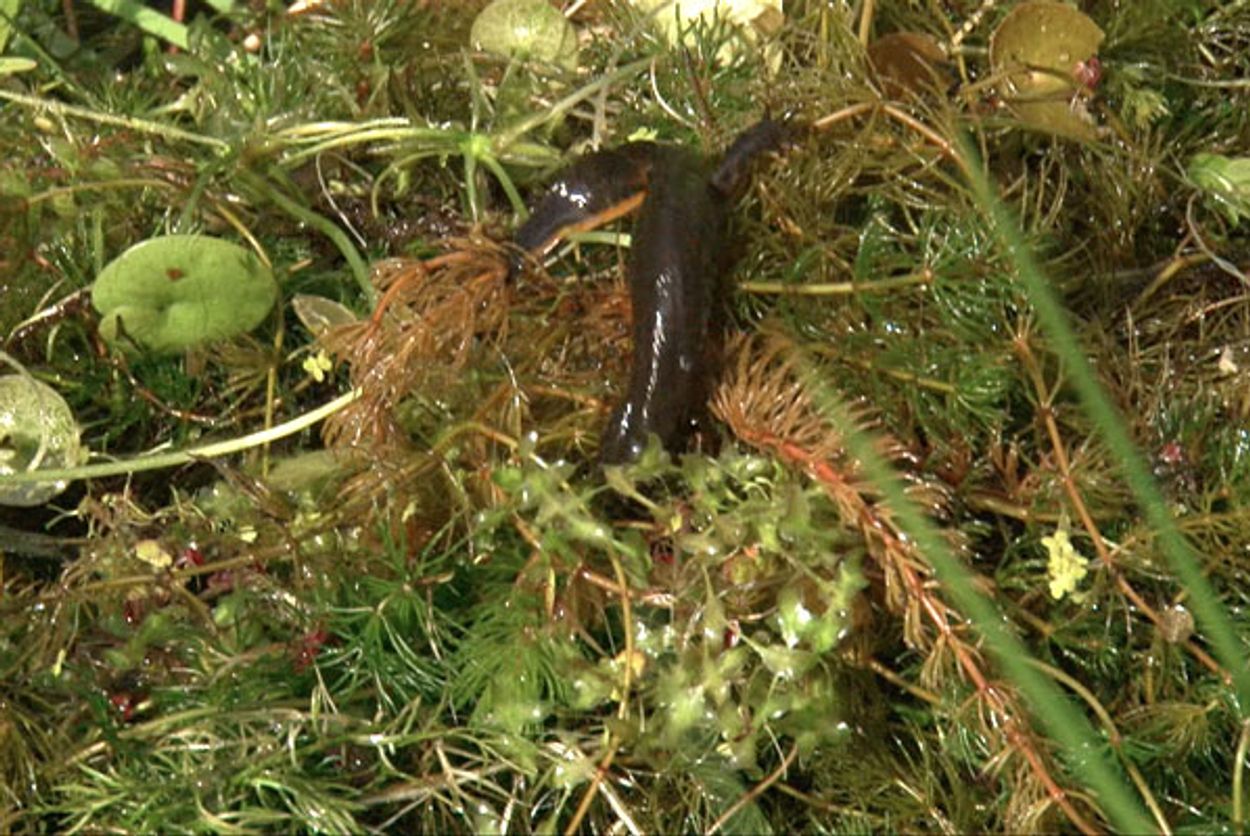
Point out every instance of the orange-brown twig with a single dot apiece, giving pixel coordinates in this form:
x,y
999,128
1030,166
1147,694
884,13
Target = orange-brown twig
x,y
764,402
1064,467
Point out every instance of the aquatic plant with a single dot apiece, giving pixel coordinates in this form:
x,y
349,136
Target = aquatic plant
x,y
959,545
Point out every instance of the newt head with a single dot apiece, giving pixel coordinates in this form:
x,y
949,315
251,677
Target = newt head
x,y
764,137
593,191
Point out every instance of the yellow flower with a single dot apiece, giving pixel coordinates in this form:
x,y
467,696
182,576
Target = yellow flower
x,y
1065,566
317,365
151,551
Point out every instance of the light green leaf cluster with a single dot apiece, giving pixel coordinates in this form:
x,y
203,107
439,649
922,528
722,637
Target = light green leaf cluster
x,y
1225,181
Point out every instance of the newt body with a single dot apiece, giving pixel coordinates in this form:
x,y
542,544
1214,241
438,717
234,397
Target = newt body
x,y
763,137
674,266
585,190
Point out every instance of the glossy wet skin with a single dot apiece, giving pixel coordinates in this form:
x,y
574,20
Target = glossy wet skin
x,y
761,138
672,272
674,267
587,188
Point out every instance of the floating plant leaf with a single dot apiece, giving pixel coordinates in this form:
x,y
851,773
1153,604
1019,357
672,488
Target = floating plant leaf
x,y
174,292
1037,51
908,63
37,431
527,29
677,22
319,314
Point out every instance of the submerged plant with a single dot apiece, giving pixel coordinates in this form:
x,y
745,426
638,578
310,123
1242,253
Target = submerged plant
x,y
924,566
37,431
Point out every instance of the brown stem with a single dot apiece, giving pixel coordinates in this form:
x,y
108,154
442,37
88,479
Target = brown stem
x,y
872,523
1064,466
756,791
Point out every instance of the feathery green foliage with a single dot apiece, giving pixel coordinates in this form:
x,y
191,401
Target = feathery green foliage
x,y
960,544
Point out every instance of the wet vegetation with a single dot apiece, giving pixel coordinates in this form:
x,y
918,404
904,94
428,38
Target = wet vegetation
x,y
961,543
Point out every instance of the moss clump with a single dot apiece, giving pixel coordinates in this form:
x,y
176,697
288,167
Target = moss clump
x,y
959,545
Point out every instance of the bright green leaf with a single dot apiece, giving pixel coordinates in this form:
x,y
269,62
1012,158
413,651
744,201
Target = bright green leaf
x,y
1226,182
175,292
526,28
11,66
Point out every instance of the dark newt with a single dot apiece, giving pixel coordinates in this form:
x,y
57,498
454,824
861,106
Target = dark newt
x,y
674,266
592,191
763,137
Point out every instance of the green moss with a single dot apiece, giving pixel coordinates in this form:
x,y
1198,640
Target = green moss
x,y
460,622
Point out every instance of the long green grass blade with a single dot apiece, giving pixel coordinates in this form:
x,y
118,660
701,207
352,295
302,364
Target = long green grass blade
x,y
1084,748
149,20
1210,613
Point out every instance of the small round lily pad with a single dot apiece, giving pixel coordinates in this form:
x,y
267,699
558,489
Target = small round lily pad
x,y
175,292
1038,49
37,432
527,29
319,314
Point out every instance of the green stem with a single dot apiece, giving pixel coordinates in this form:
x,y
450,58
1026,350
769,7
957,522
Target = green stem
x,y
160,461
839,288
327,228
392,133
1243,743
505,139
139,125
396,168
470,187
149,20
509,188
105,185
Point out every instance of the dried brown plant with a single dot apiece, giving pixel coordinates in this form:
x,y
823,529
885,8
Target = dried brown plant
x,y
423,331
541,352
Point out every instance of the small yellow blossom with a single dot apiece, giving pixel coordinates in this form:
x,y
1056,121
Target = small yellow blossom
x,y
151,551
637,664
1065,566
317,365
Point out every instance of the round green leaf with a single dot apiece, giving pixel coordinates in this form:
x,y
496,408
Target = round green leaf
x,y
1036,50
175,292
528,29
319,314
37,431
